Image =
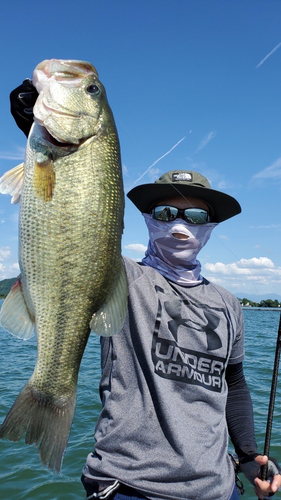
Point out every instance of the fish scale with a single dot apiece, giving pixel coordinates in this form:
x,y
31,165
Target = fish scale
x,y
72,275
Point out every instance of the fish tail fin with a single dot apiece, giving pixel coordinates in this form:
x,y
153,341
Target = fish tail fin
x,y
46,424
109,320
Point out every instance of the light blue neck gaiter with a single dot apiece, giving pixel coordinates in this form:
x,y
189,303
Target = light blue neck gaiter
x,y
172,257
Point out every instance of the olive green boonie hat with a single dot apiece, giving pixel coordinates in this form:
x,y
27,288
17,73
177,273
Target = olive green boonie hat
x,y
187,184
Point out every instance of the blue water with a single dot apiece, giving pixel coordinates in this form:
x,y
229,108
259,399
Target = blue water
x,y
21,475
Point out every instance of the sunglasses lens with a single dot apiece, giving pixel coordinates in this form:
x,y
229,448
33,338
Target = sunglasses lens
x,y
196,216
165,213
192,215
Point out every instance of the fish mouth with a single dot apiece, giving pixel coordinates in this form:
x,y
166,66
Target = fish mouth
x,y
57,141
48,137
68,72
58,144
56,111
49,113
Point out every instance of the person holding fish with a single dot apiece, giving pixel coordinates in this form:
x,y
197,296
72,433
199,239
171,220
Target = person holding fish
x,y
172,384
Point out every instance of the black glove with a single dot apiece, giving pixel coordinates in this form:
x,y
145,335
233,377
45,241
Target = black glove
x,y
251,469
22,101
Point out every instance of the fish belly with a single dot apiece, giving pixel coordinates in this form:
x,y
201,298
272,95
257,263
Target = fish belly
x,y
70,261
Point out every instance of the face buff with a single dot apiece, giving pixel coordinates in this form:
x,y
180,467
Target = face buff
x,y
172,257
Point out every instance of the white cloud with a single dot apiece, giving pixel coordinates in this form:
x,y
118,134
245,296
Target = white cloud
x,y
5,252
205,141
259,271
261,262
9,271
271,172
14,217
269,226
154,174
124,169
244,266
15,155
222,185
136,247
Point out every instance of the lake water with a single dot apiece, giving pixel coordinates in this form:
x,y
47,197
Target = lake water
x,y
21,475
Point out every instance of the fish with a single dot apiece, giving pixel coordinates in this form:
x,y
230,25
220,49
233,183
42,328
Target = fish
x,y
72,279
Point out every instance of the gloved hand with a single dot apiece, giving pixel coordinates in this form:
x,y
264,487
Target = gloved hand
x,y
251,468
22,101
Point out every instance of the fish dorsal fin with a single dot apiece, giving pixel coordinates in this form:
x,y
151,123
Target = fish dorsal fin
x,y
110,318
14,315
11,182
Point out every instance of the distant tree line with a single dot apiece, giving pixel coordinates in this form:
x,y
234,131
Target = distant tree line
x,y
5,287
263,303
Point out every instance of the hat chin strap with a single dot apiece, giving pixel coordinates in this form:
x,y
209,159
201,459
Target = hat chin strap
x,y
176,258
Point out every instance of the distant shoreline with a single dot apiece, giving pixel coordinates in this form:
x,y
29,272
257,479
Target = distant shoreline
x,y
254,308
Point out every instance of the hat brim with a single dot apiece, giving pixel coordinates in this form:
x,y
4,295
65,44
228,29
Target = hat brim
x,y
146,195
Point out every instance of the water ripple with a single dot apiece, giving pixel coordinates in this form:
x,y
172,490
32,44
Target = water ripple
x,y
21,475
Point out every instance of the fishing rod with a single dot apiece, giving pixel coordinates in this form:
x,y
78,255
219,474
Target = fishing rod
x,y
271,401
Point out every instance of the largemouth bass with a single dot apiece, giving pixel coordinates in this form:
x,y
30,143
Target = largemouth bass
x,y
71,221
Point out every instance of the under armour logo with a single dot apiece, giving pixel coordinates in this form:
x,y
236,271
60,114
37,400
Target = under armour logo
x,y
174,310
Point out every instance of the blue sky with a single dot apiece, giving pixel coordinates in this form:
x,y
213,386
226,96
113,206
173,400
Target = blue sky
x,y
205,71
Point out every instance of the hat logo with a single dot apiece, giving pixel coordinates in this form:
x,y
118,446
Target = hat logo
x,y
181,176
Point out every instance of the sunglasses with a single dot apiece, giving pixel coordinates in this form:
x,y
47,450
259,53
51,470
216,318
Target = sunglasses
x,y
167,213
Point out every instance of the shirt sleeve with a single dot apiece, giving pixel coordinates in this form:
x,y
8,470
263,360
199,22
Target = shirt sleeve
x,y
238,350
239,412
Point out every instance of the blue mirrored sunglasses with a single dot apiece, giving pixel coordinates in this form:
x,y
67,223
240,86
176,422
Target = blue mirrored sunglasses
x,y
192,215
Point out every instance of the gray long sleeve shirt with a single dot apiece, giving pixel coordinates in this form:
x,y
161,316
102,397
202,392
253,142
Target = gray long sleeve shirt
x,y
162,429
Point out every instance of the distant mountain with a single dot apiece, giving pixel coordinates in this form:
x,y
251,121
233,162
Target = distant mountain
x,y
6,285
258,298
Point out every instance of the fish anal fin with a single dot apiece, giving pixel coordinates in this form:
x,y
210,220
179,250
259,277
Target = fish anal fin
x,y
110,318
44,179
45,422
15,316
12,181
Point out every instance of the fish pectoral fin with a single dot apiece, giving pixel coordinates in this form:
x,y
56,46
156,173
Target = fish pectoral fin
x,y
110,318
44,179
14,314
11,182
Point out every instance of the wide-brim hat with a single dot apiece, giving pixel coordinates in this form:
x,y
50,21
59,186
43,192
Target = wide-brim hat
x,y
187,184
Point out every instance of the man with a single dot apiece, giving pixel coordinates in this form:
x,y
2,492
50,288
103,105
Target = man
x,y
172,384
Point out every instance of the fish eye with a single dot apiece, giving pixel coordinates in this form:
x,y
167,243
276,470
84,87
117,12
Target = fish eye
x,y
93,90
